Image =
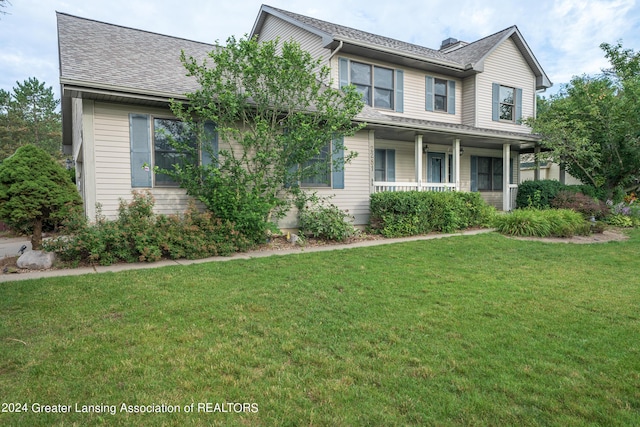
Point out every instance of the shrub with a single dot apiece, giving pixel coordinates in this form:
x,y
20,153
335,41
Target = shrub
x,y
537,194
35,190
140,235
396,214
323,220
587,206
531,222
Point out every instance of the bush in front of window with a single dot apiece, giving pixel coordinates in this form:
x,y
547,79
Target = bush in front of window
x,y
397,214
325,221
140,235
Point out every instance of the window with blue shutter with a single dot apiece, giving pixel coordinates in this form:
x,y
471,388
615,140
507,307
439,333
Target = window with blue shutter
x,y
140,144
495,102
399,91
487,173
337,163
384,165
209,144
506,104
429,93
451,101
440,95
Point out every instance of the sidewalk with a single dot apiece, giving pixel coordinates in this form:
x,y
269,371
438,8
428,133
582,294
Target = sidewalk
x,y
242,255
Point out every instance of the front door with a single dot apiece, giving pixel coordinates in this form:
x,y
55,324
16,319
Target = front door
x,y
435,167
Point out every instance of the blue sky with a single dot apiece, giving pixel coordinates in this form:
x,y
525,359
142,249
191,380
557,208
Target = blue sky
x,y
563,34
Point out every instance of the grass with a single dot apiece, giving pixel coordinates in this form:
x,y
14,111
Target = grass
x,y
477,330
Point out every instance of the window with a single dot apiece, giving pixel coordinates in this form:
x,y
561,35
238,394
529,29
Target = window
x,y
385,165
165,155
507,104
489,174
440,95
380,87
319,168
150,146
326,169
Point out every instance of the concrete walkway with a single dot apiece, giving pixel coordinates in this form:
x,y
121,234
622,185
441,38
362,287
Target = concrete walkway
x,y
242,255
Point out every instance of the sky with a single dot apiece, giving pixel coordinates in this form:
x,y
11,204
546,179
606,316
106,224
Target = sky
x,y
564,35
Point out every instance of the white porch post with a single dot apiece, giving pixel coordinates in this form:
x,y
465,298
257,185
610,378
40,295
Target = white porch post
x,y
418,150
372,157
506,173
456,163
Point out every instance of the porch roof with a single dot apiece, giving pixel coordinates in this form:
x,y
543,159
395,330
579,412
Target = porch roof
x,y
405,129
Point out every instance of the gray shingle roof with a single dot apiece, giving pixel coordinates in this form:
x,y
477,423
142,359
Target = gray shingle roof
x,y
103,55
341,32
464,58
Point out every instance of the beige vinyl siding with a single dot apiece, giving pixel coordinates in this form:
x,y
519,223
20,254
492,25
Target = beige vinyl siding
x,y
275,27
113,165
354,198
505,66
405,158
469,101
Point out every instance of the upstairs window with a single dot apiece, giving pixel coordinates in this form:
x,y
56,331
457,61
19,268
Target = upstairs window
x,y
507,104
440,95
380,87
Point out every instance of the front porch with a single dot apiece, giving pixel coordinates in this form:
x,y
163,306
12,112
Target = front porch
x,y
438,167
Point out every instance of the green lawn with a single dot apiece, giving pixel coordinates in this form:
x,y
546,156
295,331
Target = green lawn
x,y
474,330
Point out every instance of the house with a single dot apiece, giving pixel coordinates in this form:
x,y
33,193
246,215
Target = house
x,y
544,169
436,119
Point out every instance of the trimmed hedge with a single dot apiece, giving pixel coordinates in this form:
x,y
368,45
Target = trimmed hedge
x,y
410,213
540,194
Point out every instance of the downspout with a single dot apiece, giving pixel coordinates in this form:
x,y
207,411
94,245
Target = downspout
x,y
335,51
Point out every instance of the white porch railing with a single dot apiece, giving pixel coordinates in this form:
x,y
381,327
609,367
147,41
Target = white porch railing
x,y
379,186
513,193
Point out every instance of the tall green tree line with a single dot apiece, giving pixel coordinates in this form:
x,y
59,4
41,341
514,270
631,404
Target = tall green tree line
x,y
29,115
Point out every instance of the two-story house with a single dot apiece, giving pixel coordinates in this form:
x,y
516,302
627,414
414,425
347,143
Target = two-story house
x,y
436,120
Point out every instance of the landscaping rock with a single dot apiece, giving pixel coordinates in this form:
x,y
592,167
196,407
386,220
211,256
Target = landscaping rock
x,y
36,260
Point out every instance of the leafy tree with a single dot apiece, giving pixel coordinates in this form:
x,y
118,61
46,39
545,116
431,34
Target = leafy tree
x,y
35,189
29,115
593,125
274,116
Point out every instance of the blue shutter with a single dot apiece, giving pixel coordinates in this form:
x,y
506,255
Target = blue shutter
x,y
496,102
140,141
451,98
518,105
337,163
209,144
399,91
474,173
391,165
429,93
343,71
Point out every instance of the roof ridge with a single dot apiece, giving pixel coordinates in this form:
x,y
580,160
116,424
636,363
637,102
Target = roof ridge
x,y
297,16
132,29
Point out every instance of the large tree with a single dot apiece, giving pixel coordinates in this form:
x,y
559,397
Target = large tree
x,y
29,115
593,125
278,122
35,189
